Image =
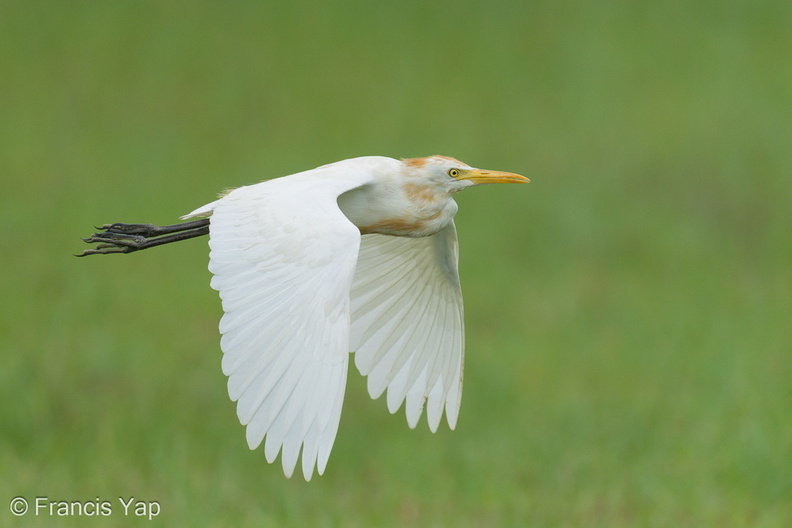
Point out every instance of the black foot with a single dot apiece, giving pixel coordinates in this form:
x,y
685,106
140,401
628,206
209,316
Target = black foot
x,y
126,238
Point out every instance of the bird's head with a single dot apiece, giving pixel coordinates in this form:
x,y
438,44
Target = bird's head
x,y
452,175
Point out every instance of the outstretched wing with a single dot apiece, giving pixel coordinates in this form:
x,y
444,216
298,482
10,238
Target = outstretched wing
x,y
407,323
283,257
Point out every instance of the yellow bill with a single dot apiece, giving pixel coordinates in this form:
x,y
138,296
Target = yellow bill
x,y
481,176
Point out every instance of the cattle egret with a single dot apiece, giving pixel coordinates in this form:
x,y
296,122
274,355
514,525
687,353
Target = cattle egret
x,y
356,256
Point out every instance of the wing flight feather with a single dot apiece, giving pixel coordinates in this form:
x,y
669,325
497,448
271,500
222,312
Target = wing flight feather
x,y
407,323
283,257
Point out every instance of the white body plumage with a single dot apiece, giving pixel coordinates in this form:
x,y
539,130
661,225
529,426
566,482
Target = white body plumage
x,y
357,256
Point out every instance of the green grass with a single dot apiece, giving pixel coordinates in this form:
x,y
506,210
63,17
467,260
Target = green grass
x,y
628,314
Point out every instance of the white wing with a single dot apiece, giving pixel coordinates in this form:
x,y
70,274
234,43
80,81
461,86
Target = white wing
x,y
407,323
283,257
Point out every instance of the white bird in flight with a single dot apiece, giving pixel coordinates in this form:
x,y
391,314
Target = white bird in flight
x,y
356,256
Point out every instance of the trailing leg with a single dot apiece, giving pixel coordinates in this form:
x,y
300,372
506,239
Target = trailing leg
x,y
126,238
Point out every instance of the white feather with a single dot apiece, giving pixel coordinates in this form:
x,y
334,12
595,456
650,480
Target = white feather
x,y
284,274
301,289
407,322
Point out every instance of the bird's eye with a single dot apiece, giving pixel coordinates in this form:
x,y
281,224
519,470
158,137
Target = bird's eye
x,y
453,173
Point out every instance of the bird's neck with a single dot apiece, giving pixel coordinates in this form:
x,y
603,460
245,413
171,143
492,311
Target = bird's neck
x,y
398,210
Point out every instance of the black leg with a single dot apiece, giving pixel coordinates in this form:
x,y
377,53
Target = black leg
x,y
126,238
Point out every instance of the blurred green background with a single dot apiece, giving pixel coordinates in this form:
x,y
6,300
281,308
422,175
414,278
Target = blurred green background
x,y
628,313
